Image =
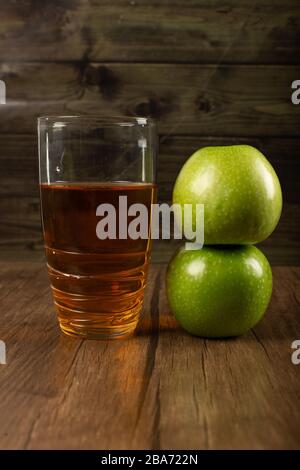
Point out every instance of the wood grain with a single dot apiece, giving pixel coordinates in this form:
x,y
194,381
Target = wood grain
x,y
20,228
281,248
215,100
162,389
265,31
19,161
218,68
281,152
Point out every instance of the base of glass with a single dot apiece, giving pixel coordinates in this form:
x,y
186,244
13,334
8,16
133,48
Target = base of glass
x,y
117,322
104,334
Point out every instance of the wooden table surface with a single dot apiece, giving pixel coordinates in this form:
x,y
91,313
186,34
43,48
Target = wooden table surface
x,y
162,389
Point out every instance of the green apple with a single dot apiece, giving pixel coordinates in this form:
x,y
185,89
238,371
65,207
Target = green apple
x,y
219,291
239,189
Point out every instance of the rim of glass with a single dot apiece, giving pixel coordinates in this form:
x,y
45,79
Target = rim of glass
x,y
97,118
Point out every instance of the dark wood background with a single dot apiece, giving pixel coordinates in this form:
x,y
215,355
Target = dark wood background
x,y
211,71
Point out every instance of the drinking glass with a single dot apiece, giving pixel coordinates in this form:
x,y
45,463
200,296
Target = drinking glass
x,y
97,267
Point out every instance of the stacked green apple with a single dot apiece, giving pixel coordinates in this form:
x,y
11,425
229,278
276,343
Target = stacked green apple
x,y
224,288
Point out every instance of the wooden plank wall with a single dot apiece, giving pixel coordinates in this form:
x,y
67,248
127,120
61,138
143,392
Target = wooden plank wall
x,y
211,71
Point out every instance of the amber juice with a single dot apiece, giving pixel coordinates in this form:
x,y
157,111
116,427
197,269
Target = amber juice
x,y
98,285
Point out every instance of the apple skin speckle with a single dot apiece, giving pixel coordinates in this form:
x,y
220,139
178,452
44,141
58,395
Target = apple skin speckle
x,y
240,191
219,291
